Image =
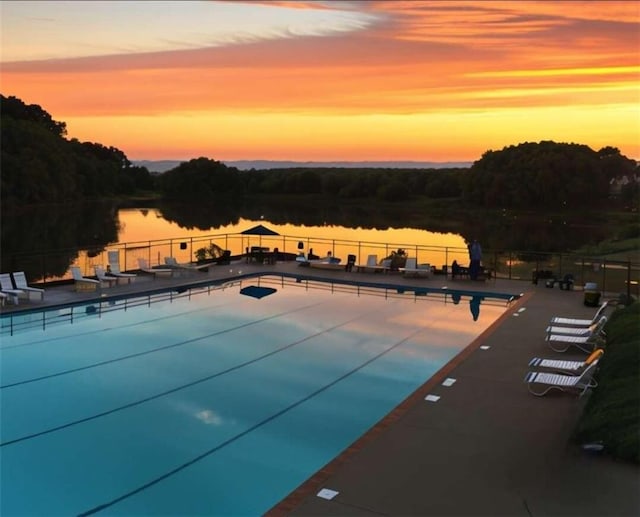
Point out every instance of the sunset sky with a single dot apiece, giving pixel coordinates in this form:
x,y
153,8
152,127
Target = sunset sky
x,y
323,80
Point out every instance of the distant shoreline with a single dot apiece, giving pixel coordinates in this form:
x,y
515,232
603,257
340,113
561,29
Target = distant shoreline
x,y
165,165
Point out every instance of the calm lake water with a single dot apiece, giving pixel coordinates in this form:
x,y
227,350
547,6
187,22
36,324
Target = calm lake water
x,y
142,229
148,224
45,241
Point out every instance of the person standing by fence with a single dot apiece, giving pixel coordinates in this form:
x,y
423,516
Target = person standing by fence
x,y
475,257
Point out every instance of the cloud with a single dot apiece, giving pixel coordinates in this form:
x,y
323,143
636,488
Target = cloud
x,y
209,417
342,59
97,28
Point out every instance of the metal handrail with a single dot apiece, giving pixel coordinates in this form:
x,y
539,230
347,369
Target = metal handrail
x,y
42,319
611,275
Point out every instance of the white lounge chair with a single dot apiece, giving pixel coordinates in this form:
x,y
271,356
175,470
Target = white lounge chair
x,y
83,283
384,266
562,343
328,262
424,270
155,271
171,262
114,268
6,287
101,274
370,266
411,268
586,342
20,281
578,331
577,322
541,383
568,367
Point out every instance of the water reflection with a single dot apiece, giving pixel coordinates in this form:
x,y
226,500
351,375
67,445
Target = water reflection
x,y
474,307
27,233
496,230
30,232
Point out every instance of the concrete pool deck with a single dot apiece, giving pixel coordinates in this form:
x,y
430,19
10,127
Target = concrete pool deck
x,y
486,447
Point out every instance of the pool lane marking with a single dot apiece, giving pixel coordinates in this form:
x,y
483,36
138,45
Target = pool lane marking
x,y
270,418
153,350
119,327
184,386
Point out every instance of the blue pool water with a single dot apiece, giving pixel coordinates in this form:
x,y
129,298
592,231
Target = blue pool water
x,y
209,401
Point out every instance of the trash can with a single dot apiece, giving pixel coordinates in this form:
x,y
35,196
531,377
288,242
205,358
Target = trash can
x,y
591,294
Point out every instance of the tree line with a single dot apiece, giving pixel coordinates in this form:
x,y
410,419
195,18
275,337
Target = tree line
x,y
40,165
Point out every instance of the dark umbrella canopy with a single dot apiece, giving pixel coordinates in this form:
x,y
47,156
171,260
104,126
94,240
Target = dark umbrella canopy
x,y
255,291
260,230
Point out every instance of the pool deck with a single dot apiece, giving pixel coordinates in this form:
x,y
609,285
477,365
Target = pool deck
x,y
486,447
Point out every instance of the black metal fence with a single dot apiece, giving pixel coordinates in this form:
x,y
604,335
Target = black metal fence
x,y
611,276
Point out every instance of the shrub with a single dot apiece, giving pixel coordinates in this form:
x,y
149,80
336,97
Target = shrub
x,y
213,251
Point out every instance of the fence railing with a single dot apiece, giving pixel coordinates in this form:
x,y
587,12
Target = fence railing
x,y
612,276
14,323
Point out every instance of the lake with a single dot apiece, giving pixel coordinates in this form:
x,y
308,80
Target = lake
x,y
45,241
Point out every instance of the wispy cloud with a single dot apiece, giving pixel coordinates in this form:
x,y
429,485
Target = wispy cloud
x,y
100,28
329,60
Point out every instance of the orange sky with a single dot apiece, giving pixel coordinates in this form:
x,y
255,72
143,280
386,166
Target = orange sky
x,y
378,80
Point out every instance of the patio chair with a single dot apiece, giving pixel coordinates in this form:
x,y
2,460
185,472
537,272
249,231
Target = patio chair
x,y
104,279
577,322
370,266
224,259
6,287
578,331
329,262
541,383
351,260
424,270
562,342
385,266
172,262
114,268
411,268
20,281
565,283
83,283
155,271
595,330
566,367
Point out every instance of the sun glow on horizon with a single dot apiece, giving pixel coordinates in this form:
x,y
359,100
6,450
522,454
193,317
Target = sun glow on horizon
x,y
379,80
331,137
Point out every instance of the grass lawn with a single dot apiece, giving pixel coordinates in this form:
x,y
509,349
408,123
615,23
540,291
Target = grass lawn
x,y
612,414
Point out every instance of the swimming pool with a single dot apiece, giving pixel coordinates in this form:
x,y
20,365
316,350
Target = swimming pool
x,y
210,401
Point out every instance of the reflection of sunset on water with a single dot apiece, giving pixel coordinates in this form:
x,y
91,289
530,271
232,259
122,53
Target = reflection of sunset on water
x,y
144,225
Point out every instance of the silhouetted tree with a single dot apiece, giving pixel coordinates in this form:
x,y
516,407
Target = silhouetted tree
x,y
200,179
39,165
545,174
